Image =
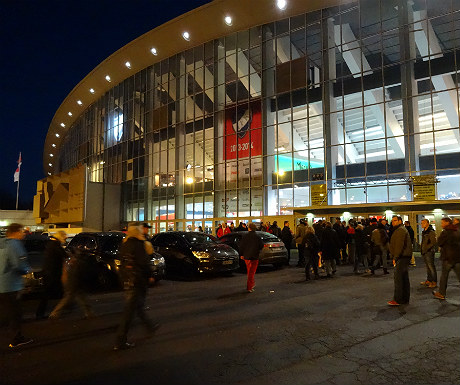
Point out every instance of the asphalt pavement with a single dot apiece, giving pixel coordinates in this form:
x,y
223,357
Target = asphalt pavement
x,y
289,331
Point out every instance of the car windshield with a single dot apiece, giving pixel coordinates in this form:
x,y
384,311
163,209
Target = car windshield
x,y
112,243
197,238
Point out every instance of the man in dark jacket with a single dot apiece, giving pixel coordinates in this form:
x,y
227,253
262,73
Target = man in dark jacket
x,y
286,237
135,261
401,251
330,248
250,247
299,235
449,242
428,249
53,262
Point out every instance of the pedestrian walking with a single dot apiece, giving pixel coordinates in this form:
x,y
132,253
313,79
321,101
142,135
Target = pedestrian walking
x,y
75,275
286,237
428,248
411,232
330,249
13,264
299,235
134,254
401,251
379,239
362,249
311,250
449,242
250,247
53,262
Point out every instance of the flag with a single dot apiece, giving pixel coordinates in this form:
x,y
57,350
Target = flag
x,y
18,170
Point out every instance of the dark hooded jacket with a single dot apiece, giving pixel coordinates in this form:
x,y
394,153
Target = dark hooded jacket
x,y
449,242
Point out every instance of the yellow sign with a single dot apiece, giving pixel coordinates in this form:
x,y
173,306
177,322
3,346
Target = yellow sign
x,y
319,194
425,192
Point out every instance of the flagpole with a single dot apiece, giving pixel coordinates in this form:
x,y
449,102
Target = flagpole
x,y
17,195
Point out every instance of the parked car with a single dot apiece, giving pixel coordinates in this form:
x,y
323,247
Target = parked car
x,y
191,253
35,246
274,252
105,270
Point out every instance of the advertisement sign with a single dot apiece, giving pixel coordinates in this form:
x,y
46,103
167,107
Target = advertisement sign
x,y
243,130
318,194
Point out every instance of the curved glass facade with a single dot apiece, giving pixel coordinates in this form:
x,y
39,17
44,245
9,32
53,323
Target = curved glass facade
x,y
345,105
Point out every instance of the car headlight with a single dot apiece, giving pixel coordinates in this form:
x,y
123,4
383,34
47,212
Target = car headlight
x,y
117,262
158,261
202,255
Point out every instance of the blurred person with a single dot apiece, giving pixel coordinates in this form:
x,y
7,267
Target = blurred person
x,y
456,222
275,230
145,231
286,237
134,254
53,262
13,264
330,249
232,227
311,250
379,239
350,241
411,232
401,251
428,248
250,246
449,242
362,248
299,235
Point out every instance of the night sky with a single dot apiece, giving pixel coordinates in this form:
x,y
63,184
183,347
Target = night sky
x,y
47,48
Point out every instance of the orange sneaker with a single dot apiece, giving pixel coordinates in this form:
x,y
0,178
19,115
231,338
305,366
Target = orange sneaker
x,y
432,285
393,303
438,295
425,283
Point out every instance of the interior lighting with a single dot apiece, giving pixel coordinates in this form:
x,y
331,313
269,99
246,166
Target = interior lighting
x,y
62,125
92,90
107,77
51,155
128,64
49,173
50,164
57,135
189,180
154,51
186,35
281,4
79,102
281,172
53,145
69,113
228,20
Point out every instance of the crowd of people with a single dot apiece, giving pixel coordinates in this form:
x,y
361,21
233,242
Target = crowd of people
x,y
369,244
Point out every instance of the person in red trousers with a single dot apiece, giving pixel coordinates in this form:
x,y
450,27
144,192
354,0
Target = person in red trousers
x,y
250,247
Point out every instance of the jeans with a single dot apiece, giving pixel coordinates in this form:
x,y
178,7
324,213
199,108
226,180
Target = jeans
x,y
401,280
381,257
251,266
330,266
446,268
10,305
301,249
431,274
311,260
71,295
134,304
362,255
351,253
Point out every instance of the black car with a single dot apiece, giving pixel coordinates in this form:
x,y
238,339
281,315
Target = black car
x,y
191,253
105,268
274,252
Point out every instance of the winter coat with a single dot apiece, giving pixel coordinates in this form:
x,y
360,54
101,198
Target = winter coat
x,y
286,236
311,243
135,262
400,243
449,242
13,264
53,262
300,233
275,230
428,240
379,237
250,246
330,244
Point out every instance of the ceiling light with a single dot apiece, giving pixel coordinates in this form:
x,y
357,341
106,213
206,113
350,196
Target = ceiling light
x,y
50,164
186,36
154,51
189,180
79,102
92,90
51,155
281,172
128,64
69,113
57,135
281,4
228,20
49,173
107,77
53,145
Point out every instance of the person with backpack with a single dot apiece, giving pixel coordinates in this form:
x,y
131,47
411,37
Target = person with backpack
x,y
379,239
134,254
13,264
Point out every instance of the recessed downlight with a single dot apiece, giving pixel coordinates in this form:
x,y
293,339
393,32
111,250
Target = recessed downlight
x,y
228,20
57,135
62,125
69,113
53,145
186,35
92,90
51,155
50,164
79,102
107,77
128,64
281,4
153,50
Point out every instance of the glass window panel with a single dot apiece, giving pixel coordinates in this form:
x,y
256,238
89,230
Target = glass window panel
x,y
356,195
449,186
377,194
399,193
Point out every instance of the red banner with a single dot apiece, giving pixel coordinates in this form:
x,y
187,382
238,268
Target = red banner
x,y
243,130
